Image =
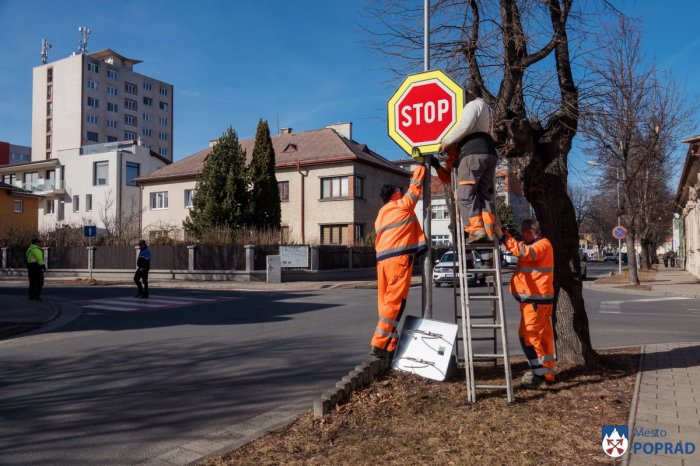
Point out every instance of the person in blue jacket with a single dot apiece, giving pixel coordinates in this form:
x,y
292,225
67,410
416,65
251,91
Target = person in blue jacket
x,y
143,265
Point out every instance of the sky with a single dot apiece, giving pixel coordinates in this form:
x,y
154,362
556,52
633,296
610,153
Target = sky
x,y
298,64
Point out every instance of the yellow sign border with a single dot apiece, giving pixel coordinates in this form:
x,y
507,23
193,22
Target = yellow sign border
x,y
410,80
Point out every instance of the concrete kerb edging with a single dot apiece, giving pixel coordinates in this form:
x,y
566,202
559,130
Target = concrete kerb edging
x,y
358,378
614,289
633,407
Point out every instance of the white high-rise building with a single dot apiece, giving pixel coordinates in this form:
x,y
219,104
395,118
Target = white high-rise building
x,y
97,98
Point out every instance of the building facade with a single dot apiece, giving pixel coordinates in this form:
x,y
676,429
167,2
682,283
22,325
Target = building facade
x,y
686,228
12,153
18,211
98,98
329,187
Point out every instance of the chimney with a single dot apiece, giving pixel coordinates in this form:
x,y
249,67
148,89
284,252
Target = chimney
x,y
285,131
213,142
344,129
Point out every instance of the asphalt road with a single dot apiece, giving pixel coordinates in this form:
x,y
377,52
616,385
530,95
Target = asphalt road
x,y
126,383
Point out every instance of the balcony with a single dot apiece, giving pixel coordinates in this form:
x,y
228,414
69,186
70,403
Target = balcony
x,y
45,187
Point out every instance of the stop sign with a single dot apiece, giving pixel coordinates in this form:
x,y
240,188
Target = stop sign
x,y
423,110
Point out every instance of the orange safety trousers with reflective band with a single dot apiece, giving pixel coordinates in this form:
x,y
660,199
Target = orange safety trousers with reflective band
x,y
393,283
537,338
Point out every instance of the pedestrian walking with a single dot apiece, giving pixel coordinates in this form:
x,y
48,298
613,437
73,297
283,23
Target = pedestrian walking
x,y
532,285
143,265
35,269
399,239
666,260
672,259
470,145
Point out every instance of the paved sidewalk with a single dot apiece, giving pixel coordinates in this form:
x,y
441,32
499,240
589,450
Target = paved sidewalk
x,y
668,282
667,409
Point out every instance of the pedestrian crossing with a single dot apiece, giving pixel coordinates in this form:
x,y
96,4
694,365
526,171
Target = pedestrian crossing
x,y
153,303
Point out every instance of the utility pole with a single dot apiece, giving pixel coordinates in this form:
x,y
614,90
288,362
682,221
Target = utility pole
x,y
427,288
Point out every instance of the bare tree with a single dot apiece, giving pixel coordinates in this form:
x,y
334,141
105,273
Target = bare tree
x,y
519,53
601,219
632,131
581,199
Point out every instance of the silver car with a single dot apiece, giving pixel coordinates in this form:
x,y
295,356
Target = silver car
x,y
446,270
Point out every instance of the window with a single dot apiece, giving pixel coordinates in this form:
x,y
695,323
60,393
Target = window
x,y
440,240
9,179
334,234
88,203
335,187
163,90
92,136
439,212
93,67
359,187
49,207
49,125
112,74
147,86
92,119
359,232
100,173
147,117
76,203
163,105
112,107
112,90
129,136
93,102
130,104
163,136
112,139
283,187
163,121
163,151
112,124
132,172
148,101
130,88
49,108
49,91
155,234
48,141
130,120
90,84
189,197
159,200
18,206
147,132
49,75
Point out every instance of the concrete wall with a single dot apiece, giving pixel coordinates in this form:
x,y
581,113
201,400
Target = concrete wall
x,y
169,219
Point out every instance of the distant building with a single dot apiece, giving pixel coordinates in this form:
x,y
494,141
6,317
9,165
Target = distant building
x,y
329,186
12,153
98,98
686,227
18,211
90,185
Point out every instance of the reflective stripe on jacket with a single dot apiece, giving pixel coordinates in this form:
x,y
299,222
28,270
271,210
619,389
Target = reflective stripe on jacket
x,y
35,255
533,278
398,229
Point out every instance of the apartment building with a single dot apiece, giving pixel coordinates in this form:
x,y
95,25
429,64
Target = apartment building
x,y
98,98
686,226
12,153
329,187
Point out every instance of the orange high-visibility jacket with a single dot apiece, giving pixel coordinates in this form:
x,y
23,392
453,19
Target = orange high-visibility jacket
x,y
398,230
533,278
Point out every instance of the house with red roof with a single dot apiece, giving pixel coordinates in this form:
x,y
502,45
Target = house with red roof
x,y
329,187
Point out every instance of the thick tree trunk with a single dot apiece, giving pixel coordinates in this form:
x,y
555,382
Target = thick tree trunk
x,y
632,257
545,188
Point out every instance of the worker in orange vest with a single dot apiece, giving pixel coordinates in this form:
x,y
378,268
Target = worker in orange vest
x,y
399,239
470,146
532,285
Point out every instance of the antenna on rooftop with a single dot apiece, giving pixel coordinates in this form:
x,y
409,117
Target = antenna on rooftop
x,y
45,46
85,32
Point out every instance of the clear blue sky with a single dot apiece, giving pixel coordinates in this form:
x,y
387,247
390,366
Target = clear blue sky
x,y
232,62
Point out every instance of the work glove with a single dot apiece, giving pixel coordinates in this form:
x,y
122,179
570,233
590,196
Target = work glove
x,y
435,163
416,155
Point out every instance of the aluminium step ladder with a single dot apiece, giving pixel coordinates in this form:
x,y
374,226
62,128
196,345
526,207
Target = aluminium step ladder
x,y
493,322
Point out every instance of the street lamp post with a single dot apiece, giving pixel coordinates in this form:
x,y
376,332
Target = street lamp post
x,y
617,183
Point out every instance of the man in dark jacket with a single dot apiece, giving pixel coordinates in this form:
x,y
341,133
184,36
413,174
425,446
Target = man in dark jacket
x,y
143,265
35,269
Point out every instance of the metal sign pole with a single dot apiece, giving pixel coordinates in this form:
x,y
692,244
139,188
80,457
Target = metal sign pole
x,y
426,288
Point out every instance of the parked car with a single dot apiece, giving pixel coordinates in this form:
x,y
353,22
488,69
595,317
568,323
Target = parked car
x,y
446,270
609,256
507,258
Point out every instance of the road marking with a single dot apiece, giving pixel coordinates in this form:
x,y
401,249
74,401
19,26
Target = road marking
x,y
111,308
613,307
153,303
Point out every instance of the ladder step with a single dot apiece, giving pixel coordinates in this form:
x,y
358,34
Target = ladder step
x,y
486,326
483,297
491,386
482,338
487,355
483,270
484,246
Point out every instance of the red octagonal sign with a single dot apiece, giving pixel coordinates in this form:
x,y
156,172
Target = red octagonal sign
x,y
422,111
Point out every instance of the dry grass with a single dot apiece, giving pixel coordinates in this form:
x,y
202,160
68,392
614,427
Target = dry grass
x,y
646,279
402,419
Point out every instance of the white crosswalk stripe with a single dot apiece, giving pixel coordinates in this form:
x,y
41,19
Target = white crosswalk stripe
x,y
613,307
152,303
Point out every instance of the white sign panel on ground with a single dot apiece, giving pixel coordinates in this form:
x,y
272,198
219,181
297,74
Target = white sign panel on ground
x,y
294,256
425,347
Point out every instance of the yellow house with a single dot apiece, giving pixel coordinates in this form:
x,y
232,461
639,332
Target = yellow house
x,y
19,210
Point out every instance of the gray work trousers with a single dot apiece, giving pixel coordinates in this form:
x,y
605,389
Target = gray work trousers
x,y
475,185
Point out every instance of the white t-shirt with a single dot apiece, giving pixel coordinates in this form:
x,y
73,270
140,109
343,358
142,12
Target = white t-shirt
x,y
476,118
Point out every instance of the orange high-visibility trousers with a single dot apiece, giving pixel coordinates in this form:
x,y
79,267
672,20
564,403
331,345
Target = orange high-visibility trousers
x,y
393,283
537,338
